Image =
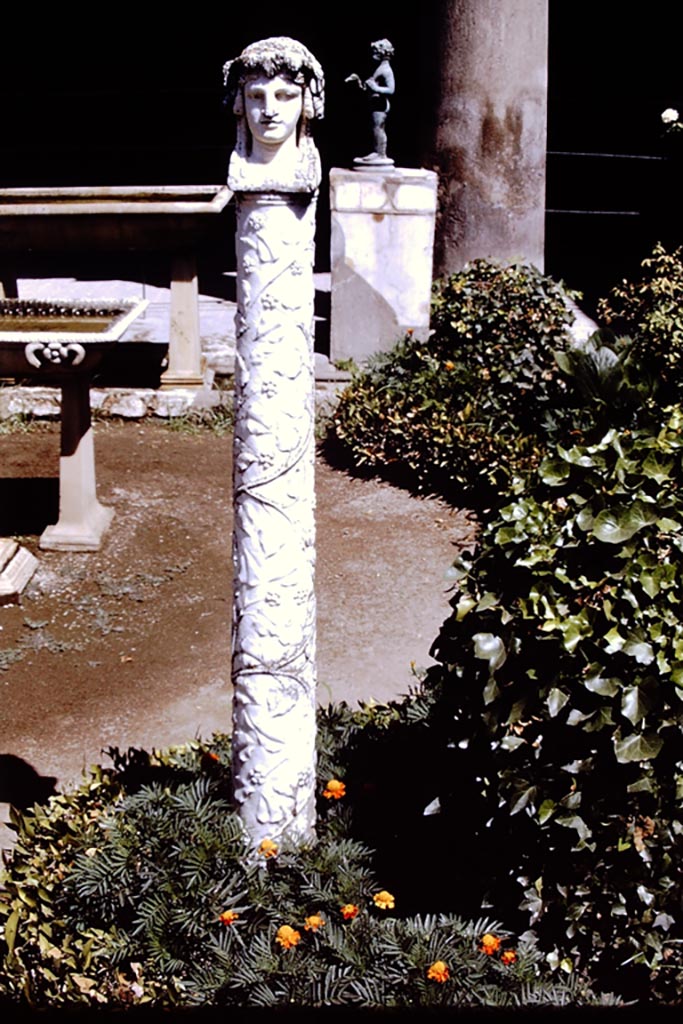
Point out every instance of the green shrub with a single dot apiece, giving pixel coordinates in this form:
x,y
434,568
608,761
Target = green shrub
x,y
469,406
651,309
136,889
608,384
559,697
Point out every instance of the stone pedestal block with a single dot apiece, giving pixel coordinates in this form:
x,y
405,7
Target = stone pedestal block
x,y
381,259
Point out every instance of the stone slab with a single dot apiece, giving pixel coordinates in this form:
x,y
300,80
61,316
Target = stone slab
x,y
17,565
381,257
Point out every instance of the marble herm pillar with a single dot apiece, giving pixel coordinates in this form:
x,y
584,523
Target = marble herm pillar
x,y
275,87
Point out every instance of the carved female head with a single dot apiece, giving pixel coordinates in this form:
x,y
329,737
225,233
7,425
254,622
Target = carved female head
x,y
276,88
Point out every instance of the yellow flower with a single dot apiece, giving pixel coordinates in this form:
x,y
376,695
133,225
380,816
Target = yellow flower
x,y
448,365
228,917
508,957
287,937
313,922
349,911
384,900
334,790
438,971
267,848
490,944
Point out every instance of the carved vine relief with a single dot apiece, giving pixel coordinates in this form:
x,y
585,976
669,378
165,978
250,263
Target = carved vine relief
x,y
274,538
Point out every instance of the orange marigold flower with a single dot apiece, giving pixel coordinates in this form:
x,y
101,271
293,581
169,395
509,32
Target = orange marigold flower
x,y
267,848
314,922
384,900
438,971
490,944
334,790
508,957
349,911
288,937
448,365
228,917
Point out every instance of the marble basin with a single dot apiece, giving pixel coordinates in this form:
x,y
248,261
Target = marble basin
x,y
178,220
161,217
40,338
63,343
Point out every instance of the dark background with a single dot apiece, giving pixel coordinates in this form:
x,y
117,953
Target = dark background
x,y
129,95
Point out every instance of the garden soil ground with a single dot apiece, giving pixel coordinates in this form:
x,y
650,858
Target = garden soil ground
x,y
130,645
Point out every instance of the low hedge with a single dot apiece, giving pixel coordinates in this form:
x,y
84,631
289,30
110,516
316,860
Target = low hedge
x,y
135,889
470,406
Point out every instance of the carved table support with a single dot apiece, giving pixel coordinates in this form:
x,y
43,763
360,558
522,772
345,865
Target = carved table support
x,y
82,520
185,344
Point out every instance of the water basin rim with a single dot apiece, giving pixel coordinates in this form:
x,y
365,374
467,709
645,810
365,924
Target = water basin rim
x,y
121,313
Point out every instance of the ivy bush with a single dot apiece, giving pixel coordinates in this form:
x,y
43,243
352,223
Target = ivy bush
x,y
136,889
651,309
559,699
469,406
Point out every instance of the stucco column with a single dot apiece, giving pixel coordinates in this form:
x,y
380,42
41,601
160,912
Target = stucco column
x,y
490,131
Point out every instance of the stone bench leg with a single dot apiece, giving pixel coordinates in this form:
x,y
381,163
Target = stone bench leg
x,y
9,288
184,345
82,520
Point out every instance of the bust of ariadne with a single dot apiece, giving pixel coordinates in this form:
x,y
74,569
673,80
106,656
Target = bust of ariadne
x,y
276,88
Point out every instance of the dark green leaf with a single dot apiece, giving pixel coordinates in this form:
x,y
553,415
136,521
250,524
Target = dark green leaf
x,y
637,747
491,648
619,523
554,471
556,701
597,683
11,928
634,704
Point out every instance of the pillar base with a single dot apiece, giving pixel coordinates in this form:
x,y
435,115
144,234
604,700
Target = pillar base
x,y
85,535
171,380
372,162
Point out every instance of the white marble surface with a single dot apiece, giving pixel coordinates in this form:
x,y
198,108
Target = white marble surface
x,y
381,254
273,638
